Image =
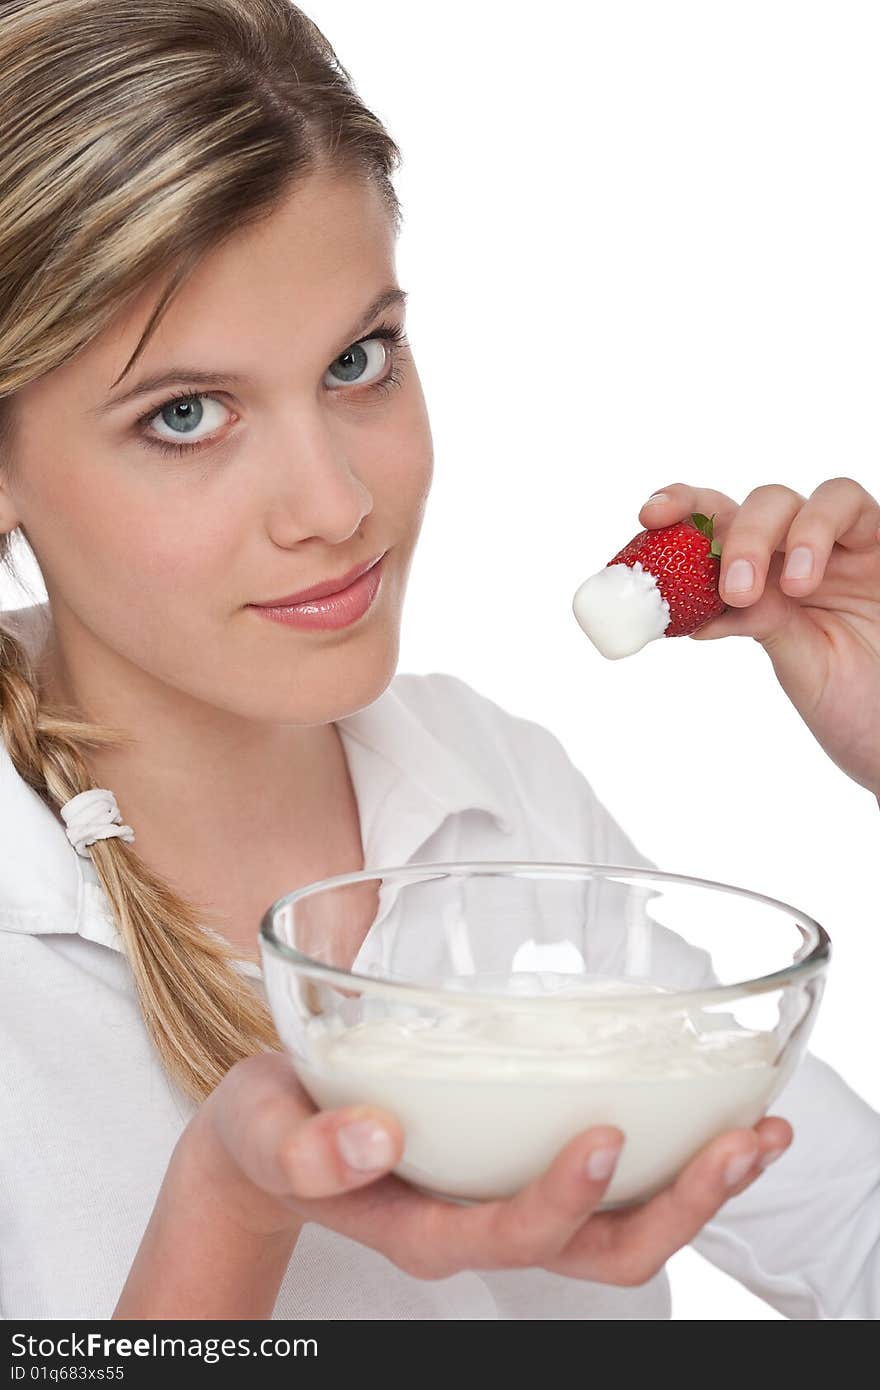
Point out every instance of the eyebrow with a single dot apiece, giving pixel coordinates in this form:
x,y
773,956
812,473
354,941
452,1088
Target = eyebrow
x,y
197,376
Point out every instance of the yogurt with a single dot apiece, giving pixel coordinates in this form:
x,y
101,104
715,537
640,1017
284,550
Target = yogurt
x,y
621,609
487,1096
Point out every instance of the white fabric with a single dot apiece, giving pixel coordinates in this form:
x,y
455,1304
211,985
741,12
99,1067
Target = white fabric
x,y
93,815
88,1119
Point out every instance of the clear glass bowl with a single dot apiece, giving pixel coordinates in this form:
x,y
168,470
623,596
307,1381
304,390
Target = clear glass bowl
x,y
500,1008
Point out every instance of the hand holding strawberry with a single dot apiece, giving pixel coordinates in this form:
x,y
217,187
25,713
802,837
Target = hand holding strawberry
x,y
802,577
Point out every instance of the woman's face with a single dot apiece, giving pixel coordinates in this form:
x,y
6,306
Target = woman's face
x,y
306,466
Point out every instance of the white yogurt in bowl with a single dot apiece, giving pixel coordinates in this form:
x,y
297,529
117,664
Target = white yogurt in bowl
x,y
499,1008
487,1097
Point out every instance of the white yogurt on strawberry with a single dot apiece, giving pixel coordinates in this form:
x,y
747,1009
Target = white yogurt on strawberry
x,y
621,609
487,1097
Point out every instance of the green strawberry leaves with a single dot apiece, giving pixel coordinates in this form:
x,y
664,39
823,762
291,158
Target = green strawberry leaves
x,y
706,526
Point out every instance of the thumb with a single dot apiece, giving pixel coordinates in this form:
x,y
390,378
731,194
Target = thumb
x,y
275,1137
332,1152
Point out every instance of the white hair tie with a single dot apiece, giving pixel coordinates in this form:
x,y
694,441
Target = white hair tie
x,y
91,816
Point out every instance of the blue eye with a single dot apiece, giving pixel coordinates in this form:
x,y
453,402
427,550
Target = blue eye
x,y
183,415
353,363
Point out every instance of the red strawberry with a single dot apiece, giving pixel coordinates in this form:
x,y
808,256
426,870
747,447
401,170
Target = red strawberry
x,y
684,561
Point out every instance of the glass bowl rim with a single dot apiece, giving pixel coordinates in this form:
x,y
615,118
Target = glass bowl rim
x,y
814,963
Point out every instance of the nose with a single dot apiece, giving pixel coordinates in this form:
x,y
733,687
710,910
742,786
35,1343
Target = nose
x,y
312,480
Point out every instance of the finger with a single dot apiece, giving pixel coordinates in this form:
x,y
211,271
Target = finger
x,y
671,1219
775,1135
629,1246
336,1150
764,618
533,1226
838,511
757,530
285,1147
677,500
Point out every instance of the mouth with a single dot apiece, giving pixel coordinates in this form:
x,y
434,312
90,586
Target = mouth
x,y
322,590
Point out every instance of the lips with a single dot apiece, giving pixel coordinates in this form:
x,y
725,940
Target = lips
x,y
330,586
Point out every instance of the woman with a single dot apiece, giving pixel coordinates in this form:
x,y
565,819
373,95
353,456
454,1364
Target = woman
x,y
203,372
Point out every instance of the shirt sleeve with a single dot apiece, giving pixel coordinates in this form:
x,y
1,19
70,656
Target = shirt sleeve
x,y
805,1236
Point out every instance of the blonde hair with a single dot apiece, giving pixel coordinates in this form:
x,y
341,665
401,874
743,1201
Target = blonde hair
x,y
136,137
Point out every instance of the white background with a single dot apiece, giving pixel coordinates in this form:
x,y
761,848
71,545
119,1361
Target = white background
x,y
640,242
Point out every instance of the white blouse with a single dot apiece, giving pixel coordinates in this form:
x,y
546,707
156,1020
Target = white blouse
x,y
88,1118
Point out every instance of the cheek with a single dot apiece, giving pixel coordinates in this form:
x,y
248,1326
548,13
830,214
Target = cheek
x,y
405,467
152,540
183,550
145,564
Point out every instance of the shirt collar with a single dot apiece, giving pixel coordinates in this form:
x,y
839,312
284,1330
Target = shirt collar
x,y
407,780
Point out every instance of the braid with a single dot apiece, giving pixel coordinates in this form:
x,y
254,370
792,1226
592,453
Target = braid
x,y
200,1015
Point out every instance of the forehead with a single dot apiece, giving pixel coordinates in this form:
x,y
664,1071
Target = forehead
x,y
290,282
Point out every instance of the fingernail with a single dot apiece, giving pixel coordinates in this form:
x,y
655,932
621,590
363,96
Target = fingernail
x,y
600,1164
365,1145
738,1167
657,497
770,1157
740,577
800,563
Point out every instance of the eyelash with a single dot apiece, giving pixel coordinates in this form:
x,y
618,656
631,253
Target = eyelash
x,y
391,333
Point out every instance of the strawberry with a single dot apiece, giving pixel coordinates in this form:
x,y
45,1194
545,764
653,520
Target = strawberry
x,y
684,561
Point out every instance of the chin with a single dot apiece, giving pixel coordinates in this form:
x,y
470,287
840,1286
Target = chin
x,y
331,685
364,680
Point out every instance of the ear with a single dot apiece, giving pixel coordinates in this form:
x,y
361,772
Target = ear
x,y
9,517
